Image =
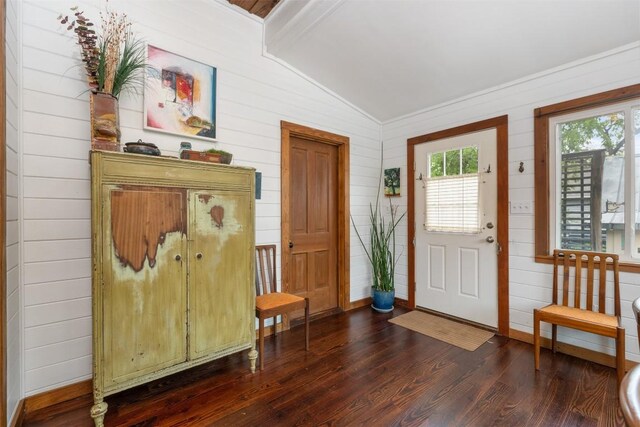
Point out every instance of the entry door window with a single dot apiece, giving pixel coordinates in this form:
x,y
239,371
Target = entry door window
x,y
451,191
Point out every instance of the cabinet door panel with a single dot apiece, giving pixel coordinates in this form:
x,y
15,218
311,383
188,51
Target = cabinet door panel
x,y
144,287
221,295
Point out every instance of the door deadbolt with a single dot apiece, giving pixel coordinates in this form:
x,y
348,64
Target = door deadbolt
x,y
489,225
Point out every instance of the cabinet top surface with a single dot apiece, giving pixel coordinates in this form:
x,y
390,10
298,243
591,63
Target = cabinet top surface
x,y
166,161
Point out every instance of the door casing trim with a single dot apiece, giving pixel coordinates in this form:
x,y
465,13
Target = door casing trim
x,y
3,220
501,124
342,143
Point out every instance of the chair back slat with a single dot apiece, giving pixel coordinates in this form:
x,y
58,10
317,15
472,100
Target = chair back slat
x,y
578,282
256,282
590,284
555,279
603,284
262,252
590,260
565,280
258,260
635,306
265,269
616,287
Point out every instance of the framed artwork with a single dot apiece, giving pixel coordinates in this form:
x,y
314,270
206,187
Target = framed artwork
x,y
179,95
392,182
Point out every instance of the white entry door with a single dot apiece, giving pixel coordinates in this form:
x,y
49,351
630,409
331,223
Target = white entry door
x,y
456,227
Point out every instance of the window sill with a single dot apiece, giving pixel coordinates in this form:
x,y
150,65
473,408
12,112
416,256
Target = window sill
x,y
626,266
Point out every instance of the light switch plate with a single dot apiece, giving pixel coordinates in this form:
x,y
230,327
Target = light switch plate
x,y
522,207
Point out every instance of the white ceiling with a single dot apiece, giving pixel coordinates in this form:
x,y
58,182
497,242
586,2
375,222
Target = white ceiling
x,y
394,57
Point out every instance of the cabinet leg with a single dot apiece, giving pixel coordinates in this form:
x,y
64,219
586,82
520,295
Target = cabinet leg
x,y
97,413
253,356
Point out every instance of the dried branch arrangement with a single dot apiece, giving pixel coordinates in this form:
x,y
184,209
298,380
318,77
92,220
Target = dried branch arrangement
x,y
114,59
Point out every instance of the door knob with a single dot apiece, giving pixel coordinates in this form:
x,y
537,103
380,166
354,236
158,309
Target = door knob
x,y
290,245
199,255
178,257
490,239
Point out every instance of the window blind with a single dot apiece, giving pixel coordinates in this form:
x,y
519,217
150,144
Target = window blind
x,y
452,204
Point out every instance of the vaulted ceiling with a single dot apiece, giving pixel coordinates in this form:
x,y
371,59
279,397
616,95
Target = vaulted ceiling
x,y
394,57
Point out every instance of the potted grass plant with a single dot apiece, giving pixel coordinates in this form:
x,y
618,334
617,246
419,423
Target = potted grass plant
x,y
114,61
381,253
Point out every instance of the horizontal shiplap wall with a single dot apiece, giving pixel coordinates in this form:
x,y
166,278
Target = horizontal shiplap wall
x,y
530,283
254,95
14,303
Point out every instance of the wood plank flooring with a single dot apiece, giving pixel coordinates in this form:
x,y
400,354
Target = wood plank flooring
x,y
363,370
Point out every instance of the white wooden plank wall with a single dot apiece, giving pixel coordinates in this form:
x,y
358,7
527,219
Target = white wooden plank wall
x,y
254,94
530,283
14,300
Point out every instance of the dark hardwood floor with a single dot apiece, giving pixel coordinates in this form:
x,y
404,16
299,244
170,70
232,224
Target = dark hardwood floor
x,y
363,370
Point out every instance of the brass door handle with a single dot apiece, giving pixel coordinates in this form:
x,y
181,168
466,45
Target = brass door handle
x,y
490,239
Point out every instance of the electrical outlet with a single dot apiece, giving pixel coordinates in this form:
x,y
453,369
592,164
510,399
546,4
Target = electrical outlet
x,y
521,207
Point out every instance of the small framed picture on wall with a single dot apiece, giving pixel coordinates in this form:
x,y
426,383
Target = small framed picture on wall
x,y
392,182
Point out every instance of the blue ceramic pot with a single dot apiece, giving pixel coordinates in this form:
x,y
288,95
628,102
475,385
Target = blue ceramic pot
x,y
382,300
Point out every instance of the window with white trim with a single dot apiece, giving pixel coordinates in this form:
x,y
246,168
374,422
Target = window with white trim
x,y
595,180
451,191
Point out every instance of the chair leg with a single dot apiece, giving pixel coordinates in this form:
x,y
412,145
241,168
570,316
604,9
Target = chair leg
x,y
620,354
536,339
554,338
306,324
275,325
261,342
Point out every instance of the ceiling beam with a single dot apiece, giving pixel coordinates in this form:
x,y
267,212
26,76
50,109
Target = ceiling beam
x,y
259,8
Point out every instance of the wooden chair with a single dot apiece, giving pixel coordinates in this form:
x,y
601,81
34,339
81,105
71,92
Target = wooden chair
x,y
629,393
635,306
270,302
576,317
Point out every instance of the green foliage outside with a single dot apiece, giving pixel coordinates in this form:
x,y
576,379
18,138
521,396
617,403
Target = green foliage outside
x,y
606,131
468,156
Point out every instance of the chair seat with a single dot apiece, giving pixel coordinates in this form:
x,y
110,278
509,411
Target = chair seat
x,y
277,299
581,315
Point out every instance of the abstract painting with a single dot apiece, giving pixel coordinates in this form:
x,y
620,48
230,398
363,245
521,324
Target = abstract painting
x,y
179,95
392,182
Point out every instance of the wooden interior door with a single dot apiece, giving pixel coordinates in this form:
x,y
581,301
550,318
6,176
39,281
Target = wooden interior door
x,y
313,212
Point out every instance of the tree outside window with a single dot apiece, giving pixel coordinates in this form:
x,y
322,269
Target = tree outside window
x,y
591,180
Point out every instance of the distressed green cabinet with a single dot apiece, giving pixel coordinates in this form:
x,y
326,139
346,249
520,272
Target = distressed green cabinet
x,y
173,269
